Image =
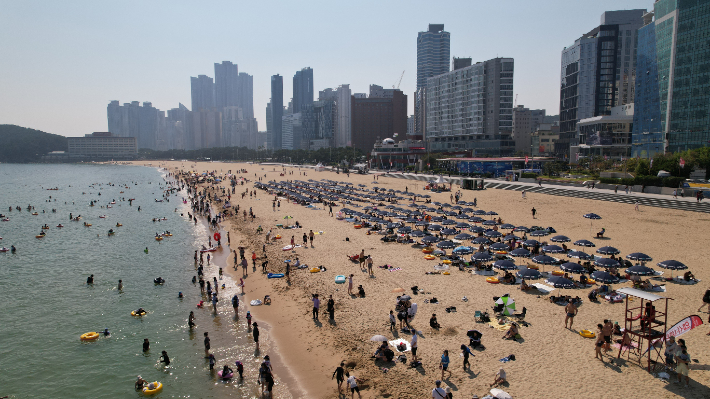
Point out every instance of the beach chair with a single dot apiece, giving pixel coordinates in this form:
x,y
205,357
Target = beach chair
x,y
477,316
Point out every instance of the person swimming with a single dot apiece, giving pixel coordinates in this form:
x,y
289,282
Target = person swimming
x,y
140,311
140,383
164,358
180,295
106,332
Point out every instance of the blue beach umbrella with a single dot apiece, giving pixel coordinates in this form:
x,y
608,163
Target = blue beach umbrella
x,y
462,250
640,270
520,253
529,274
606,263
560,282
544,260
641,257
482,257
573,268
607,251
672,265
579,255
538,233
553,249
604,277
584,243
463,236
506,226
446,244
504,265
492,234
560,239
499,246
481,240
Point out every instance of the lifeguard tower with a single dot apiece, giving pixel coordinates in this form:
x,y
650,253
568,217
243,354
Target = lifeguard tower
x,y
645,325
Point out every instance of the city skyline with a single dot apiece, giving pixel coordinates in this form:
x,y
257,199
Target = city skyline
x,y
70,61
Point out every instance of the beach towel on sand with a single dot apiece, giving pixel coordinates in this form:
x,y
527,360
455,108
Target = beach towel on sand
x,y
499,327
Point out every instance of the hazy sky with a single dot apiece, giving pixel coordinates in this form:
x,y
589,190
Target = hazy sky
x,y
61,62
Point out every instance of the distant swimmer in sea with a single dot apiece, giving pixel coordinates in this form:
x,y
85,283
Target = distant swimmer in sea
x,y
180,295
140,383
120,285
106,332
140,312
145,250
90,279
165,359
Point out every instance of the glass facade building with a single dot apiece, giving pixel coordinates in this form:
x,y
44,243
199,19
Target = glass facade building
x,y
679,38
647,137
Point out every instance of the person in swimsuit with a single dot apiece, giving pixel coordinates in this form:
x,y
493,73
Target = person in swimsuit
x,y
599,343
571,310
207,344
164,358
140,383
338,375
255,333
191,320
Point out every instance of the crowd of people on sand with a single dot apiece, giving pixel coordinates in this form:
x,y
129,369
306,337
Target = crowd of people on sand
x,y
206,199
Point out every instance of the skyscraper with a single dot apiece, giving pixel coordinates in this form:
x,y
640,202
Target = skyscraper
x,y
245,94
343,98
277,110
598,72
672,96
433,52
302,89
202,88
144,122
471,109
376,119
226,84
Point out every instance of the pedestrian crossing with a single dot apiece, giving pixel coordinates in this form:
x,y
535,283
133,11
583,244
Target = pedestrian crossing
x,y
621,198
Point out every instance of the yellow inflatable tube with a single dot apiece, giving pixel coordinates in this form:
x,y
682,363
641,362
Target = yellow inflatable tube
x,y
158,388
90,336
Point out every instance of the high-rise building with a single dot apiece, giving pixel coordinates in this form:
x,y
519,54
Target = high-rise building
x,y
176,127
226,84
433,55
672,96
302,88
374,119
245,94
204,129
525,122
471,109
269,132
277,107
410,125
598,72
202,89
343,99
462,62
144,122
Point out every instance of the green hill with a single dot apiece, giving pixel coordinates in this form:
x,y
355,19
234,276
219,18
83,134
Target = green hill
x,y
20,144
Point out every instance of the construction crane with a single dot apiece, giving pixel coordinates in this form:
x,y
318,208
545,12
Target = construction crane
x,y
400,81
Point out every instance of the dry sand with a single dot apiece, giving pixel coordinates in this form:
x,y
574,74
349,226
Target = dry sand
x,y
552,362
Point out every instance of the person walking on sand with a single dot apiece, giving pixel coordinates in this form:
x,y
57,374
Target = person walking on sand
x,y
571,311
311,236
466,352
241,284
316,306
253,258
636,206
599,343
305,240
444,364
523,193
413,344
534,211
331,308
245,266
361,258
350,284
368,261
352,383
338,374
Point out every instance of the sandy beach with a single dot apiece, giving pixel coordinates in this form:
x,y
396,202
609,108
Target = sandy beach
x,y
551,361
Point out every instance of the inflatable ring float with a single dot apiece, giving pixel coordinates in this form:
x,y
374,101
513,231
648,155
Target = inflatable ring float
x,y
590,281
501,252
446,262
225,377
90,336
429,257
445,273
278,237
158,388
314,270
427,250
168,235
534,267
158,238
118,225
133,313
287,248
587,334
39,236
558,273
358,226
87,224
492,280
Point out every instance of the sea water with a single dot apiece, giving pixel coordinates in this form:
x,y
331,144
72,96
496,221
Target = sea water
x,y
47,305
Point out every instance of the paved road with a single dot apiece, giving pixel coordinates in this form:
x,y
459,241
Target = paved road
x,y
655,200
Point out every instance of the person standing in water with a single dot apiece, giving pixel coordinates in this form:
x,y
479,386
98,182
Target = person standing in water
x,y
207,344
235,305
146,345
120,285
255,334
90,280
165,359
